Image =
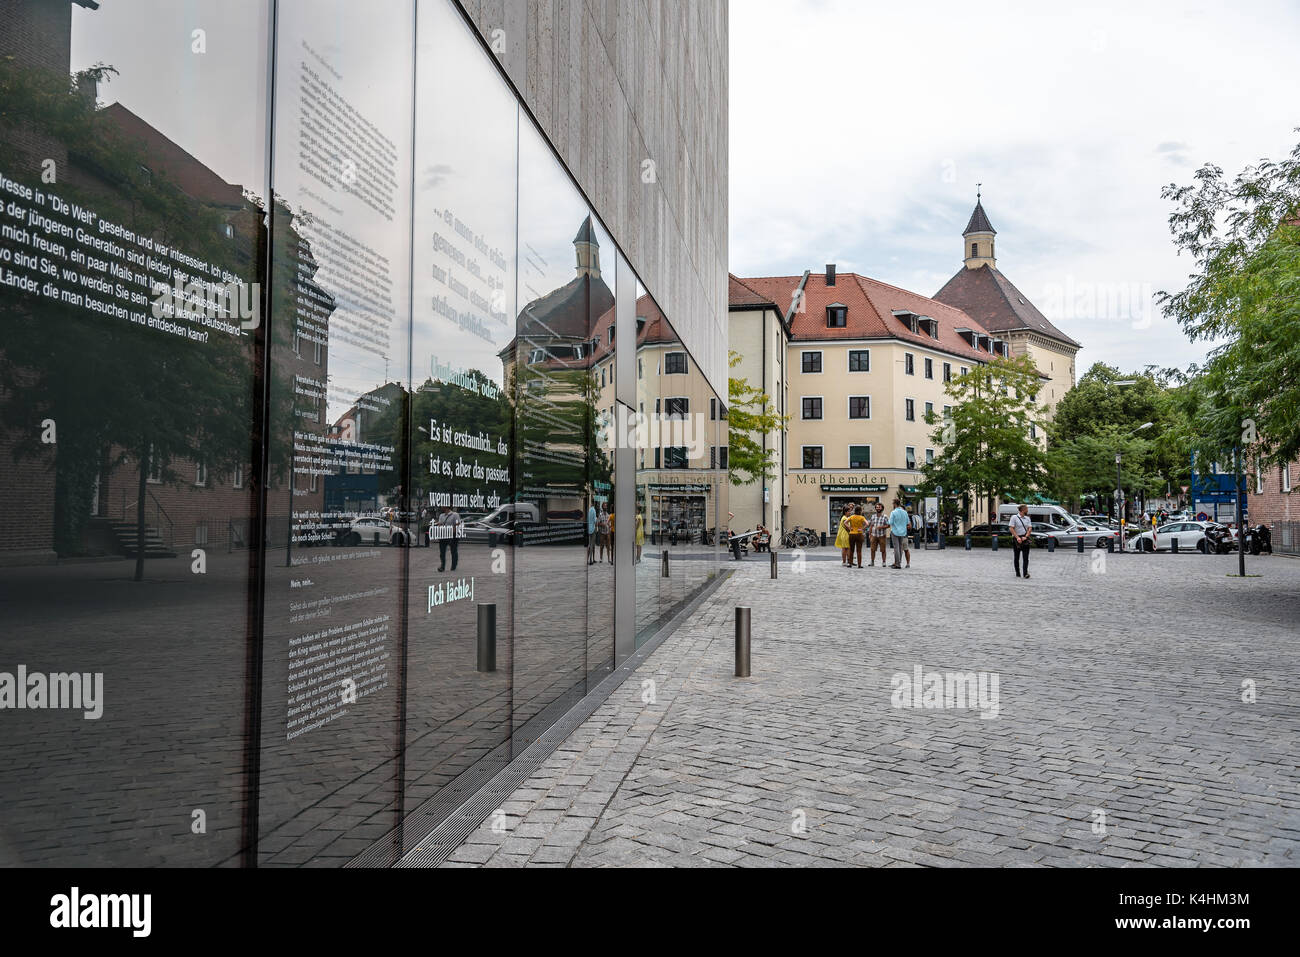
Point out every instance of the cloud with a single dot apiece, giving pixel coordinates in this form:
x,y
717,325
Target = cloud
x,y
858,133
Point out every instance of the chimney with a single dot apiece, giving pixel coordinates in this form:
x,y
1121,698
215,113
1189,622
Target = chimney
x,y
830,274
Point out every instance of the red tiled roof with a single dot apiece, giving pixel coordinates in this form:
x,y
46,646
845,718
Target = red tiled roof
x,y
871,305
992,300
741,296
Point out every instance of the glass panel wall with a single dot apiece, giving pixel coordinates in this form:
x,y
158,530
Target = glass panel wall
x,y
130,334
309,421
462,481
339,522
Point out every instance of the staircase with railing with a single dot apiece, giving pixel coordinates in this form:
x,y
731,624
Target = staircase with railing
x,y
159,529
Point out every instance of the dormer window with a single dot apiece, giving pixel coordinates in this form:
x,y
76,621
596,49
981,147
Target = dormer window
x,y
837,315
970,336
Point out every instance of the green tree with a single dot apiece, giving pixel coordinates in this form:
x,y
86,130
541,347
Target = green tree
x,y
749,419
117,390
985,445
1244,236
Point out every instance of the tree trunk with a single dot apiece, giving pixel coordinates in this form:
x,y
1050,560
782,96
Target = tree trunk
x,y
141,489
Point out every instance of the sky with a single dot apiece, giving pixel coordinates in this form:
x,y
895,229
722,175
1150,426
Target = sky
x,y
859,130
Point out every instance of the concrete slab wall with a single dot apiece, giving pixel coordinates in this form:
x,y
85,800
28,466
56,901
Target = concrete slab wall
x,y
616,83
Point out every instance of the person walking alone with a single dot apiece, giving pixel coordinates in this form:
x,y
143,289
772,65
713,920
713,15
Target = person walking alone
x,y
1021,526
842,536
898,532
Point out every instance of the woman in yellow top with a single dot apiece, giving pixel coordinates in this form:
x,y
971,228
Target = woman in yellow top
x,y
640,534
857,532
842,537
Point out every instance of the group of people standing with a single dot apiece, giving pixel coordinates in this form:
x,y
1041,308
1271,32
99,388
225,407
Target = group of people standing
x,y
600,533
881,529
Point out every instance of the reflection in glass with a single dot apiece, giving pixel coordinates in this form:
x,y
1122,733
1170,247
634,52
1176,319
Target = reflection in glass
x,y
129,333
564,480
339,525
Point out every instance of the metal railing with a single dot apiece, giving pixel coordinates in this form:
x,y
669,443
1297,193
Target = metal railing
x,y
1286,537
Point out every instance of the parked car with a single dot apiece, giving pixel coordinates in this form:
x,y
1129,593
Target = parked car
x,y
1190,535
373,530
981,534
1093,537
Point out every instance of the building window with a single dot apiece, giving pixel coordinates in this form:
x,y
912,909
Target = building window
x,y
947,412
859,456
675,363
1285,477
1259,476
677,407
812,456
237,477
859,407
929,368
812,407
811,362
611,334
859,360
947,372
974,250
317,352
929,410
1033,432
155,466
909,410
909,454
602,378
658,453
675,457
964,370
909,363
200,473
713,409
929,456
722,457
640,372
837,316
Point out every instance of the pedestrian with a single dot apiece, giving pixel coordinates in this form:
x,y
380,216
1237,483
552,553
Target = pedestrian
x,y
602,534
842,536
898,532
611,536
879,533
914,524
1021,526
591,533
639,534
449,530
857,531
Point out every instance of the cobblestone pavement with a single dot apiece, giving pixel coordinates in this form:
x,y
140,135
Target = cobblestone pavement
x,y
1122,737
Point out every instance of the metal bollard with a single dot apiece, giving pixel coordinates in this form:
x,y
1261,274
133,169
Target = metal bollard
x,y
1110,544
487,637
1051,544
942,539
996,536
1078,544
968,541
664,570
1173,545
774,564
823,539
742,642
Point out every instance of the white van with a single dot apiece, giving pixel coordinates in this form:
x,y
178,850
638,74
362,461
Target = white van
x,y
514,510
1049,514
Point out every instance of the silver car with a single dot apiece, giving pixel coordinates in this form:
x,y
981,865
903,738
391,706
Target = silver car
x,y
1092,536
1190,535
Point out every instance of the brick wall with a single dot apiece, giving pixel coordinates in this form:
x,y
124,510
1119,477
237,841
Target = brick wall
x,y
1268,504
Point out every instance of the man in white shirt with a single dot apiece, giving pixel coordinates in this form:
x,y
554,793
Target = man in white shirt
x,y
1021,526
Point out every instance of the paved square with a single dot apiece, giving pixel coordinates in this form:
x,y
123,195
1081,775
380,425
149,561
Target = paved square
x,y
1122,734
